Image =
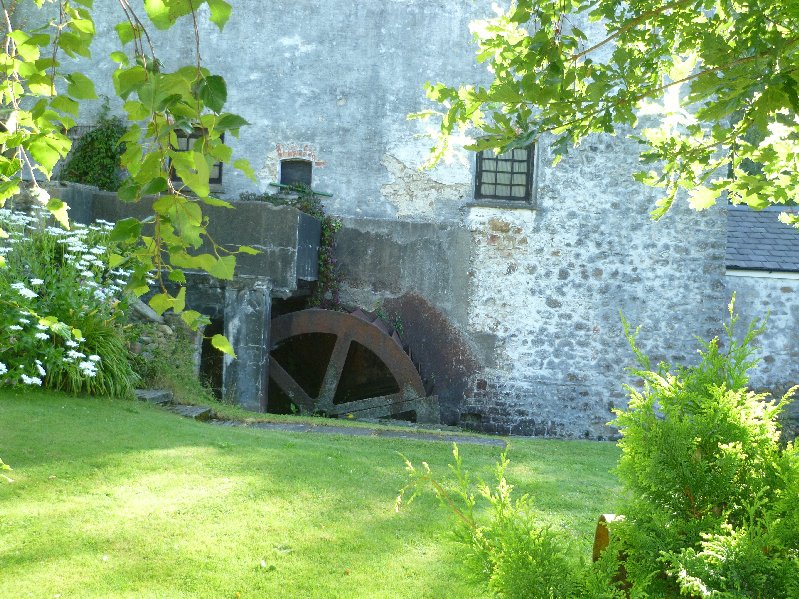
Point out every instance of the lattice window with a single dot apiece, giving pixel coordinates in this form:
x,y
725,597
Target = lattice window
x,y
506,176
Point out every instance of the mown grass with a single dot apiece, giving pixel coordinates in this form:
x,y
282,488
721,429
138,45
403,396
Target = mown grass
x,y
121,499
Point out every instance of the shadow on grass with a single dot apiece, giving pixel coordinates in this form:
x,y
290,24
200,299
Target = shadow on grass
x,y
185,508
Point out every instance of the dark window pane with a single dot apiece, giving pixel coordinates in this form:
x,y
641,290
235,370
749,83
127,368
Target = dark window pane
x,y
296,172
504,176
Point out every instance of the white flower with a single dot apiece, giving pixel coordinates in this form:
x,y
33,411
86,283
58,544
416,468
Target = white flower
x,y
3,368
94,358
44,336
70,343
31,380
23,291
88,368
40,368
36,281
15,327
75,354
24,321
42,327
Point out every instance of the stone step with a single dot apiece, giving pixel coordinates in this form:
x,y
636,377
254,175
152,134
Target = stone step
x,y
155,396
193,412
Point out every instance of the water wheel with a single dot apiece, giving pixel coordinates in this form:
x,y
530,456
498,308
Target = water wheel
x,y
343,365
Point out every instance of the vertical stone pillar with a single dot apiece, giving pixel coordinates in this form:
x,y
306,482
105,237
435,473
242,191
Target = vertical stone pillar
x,y
248,305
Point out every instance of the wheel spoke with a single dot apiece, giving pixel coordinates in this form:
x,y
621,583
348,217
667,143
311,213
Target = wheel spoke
x,y
290,387
333,373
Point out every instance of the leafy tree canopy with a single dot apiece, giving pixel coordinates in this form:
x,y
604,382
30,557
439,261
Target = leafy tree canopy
x,y
713,83
41,90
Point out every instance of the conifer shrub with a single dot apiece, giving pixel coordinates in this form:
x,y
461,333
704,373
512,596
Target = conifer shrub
x,y
706,479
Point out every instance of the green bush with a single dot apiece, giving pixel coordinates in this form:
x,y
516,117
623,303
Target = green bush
x,y
95,159
510,549
703,472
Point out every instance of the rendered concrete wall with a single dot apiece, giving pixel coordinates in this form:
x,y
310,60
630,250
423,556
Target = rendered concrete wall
x,y
287,239
776,295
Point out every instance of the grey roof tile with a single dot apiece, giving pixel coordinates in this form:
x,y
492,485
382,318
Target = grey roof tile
x,y
757,240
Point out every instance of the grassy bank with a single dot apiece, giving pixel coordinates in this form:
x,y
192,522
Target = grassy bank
x,y
120,499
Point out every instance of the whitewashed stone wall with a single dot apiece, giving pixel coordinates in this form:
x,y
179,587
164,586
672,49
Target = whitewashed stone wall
x,y
514,312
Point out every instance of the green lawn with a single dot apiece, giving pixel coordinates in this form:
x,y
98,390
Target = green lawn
x,y
121,499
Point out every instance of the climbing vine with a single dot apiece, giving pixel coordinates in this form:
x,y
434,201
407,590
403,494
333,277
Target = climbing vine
x,y
328,287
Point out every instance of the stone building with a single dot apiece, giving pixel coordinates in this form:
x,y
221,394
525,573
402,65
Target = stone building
x,y
510,297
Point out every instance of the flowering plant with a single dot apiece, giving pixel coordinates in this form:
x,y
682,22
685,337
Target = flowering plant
x,y
60,307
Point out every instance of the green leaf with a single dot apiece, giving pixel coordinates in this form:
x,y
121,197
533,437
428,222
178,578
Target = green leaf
x,y
229,121
136,110
59,211
161,302
158,13
126,32
217,202
127,229
702,198
115,260
220,12
80,87
221,343
243,165
177,276
245,249
213,92
65,104
223,268
119,58
192,318
180,301
47,150
155,186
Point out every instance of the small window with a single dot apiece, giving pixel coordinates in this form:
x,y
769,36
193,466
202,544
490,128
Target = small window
x,y
507,176
185,141
296,172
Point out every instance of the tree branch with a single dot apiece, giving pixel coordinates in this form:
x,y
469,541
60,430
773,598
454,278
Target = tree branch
x,y
631,25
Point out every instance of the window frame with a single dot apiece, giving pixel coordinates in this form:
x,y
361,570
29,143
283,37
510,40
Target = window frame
x,y
507,201
296,160
215,183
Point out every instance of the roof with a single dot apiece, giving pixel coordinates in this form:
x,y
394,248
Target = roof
x,y
757,240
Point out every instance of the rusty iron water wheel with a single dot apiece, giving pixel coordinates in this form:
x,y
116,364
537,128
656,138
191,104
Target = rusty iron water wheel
x,y
351,364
